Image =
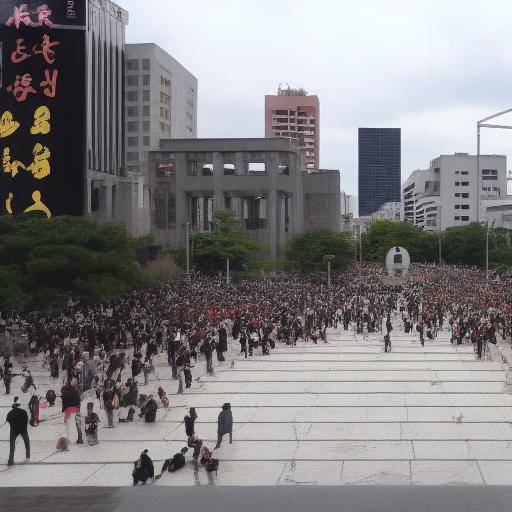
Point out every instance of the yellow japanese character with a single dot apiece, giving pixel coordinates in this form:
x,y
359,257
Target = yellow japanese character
x,y
7,125
40,167
41,121
9,167
8,203
38,205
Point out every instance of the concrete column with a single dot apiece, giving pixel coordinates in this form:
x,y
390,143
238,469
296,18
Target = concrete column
x,y
272,220
218,179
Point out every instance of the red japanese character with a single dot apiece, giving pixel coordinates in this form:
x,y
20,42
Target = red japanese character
x,y
50,82
19,55
21,88
46,49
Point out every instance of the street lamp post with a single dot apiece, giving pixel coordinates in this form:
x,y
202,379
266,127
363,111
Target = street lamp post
x,y
328,258
483,124
187,245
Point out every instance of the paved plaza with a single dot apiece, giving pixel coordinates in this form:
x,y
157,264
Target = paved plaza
x,y
342,412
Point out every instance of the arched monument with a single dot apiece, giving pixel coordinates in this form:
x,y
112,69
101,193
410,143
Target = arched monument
x,y
397,262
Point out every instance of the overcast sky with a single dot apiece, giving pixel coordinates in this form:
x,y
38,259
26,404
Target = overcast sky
x,y
430,67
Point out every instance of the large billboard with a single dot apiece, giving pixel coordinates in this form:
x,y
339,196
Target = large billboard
x,y
42,107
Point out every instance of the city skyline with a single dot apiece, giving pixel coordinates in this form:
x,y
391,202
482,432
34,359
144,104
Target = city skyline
x,y
439,65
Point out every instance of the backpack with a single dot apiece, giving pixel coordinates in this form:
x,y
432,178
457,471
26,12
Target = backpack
x,y
212,465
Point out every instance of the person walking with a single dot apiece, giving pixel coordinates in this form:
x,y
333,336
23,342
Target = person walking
x,y
224,425
18,421
193,440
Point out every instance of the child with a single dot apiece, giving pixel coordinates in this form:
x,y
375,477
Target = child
x,y
91,425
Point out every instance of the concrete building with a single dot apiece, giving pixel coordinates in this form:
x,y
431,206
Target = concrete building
x,y
389,211
161,101
322,200
112,194
264,182
446,194
379,168
349,204
294,115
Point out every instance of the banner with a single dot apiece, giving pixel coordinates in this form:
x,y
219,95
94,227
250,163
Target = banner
x,y
42,114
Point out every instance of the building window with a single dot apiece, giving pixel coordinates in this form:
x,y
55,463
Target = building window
x,y
457,183
255,212
133,141
207,170
465,218
146,141
192,168
132,65
464,206
146,96
229,169
457,217
132,111
465,195
160,213
132,80
145,126
132,96
171,209
146,79
132,155
162,112
145,110
464,183
133,126
464,173
489,174
457,194
146,64
256,168
228,201
457,206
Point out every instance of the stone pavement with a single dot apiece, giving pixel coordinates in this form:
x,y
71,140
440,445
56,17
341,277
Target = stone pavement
x,y
337,413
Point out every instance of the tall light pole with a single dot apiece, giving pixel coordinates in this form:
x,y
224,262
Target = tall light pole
x,y
328,258
439,226
487,253
187,245
483,124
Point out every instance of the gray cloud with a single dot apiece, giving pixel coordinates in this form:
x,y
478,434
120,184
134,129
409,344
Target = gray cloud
x,y
430,67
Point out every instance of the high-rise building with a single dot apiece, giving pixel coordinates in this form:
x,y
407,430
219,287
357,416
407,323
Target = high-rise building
x,y
295,115
161,101
379,168
446,194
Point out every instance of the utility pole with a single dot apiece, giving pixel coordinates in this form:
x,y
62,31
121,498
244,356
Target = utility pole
x,y
187,246
328,258
360,246
439,225
487,253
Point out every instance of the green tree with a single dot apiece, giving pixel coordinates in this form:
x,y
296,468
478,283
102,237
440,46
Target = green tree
x,y
308,250
211,249
43,262
382,235
465,245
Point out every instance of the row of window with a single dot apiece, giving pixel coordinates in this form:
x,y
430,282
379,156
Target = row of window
x,y
133,80
464,173
133,64
464,195
133,126
462,183
134,95
133,111
464,218
462,206
134,141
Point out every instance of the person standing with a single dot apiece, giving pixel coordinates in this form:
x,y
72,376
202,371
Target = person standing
x,y
108,397
192,439
71,410
18,421
91,425
224,425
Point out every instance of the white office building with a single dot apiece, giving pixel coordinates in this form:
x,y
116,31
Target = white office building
x,y
161,101
445,194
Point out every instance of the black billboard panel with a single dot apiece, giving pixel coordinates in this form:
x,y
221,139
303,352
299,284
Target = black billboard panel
x,y
43,13
42,120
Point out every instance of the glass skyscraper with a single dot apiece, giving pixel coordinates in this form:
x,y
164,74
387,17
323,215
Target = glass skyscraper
x,y
379,168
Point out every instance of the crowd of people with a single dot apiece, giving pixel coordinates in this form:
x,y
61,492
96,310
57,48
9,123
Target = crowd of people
x,y
106,353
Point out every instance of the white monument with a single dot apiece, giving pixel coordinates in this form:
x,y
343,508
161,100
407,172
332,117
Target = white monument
x,y
397,262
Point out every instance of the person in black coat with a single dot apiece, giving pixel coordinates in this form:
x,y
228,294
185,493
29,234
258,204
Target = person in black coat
x,y
192,439
224,425
172,465
18,421
143,469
